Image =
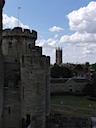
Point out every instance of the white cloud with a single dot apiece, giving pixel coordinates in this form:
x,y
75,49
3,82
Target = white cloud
x,y
56,36
79,37
47,43
55,29
83,19
11,22
83,22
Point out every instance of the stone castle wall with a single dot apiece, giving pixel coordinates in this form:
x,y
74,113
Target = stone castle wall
x,y
1,64
26,80
33,86
68,85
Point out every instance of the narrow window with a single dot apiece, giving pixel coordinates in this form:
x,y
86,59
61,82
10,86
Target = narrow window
x,y
22,58
29,46
5,83
9,110
27,119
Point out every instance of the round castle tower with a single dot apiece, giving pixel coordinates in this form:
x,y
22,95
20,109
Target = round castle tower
x,y
18,41
25,61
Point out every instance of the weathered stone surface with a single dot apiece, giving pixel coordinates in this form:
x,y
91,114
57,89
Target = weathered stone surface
x,y
26,80
1,64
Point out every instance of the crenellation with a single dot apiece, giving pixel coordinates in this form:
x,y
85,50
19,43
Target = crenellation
x,y
48,60
19,32
6,31
26,31
34,34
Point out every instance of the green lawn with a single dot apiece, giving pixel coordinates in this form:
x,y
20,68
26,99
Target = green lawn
x,y
74,105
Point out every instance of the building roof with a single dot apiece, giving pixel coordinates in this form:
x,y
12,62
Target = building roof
x,y
64,80
59,80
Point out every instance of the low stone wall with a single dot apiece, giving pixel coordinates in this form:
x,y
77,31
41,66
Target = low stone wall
x,y
61,121
67,85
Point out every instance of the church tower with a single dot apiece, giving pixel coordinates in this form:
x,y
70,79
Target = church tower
x,y
59,56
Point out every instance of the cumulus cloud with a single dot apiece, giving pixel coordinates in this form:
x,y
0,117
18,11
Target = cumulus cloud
x,y
47,43
55,29
83,19
11,22
78,38
83,22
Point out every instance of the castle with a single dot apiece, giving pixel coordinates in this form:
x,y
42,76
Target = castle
x,y
25,93
26,79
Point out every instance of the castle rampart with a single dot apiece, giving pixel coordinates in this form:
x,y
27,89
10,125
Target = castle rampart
x,y
27,80
17,31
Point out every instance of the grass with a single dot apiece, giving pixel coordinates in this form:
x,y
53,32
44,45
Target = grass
x,y
74,105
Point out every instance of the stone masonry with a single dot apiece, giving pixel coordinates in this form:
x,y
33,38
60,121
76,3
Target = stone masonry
x,y
1,64
26,80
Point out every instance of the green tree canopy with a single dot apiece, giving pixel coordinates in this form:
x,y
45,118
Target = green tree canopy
x,y
93,66
60,72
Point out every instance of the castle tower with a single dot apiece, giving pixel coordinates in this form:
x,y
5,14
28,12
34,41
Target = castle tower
x,y
1,64
26,80
34,89
58,56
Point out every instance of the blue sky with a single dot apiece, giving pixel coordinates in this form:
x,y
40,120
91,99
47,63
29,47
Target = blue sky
x,y
70,24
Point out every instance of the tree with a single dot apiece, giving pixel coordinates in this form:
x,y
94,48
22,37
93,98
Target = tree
x,y
58,72
94,84
93,66
55,71
88,89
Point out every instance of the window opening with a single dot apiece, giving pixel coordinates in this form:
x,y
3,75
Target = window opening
x,y
27,119
9,110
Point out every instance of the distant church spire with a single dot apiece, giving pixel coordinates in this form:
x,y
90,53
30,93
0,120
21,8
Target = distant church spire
x,y
59,56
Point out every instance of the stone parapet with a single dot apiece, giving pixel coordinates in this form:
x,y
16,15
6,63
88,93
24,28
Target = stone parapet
x,y
19,32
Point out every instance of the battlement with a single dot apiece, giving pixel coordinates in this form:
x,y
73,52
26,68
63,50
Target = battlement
x,y
35,61
18,31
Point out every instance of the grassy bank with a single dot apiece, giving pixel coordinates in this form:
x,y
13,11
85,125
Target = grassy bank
x,y
73,105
